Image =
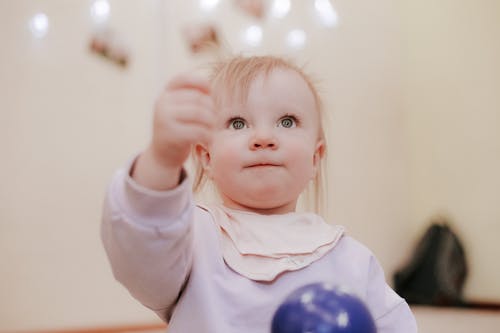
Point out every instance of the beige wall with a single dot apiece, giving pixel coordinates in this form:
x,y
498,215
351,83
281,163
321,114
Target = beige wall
x,y
452,70
68,119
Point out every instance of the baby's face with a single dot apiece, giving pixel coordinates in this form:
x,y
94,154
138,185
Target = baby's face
x,y
265,152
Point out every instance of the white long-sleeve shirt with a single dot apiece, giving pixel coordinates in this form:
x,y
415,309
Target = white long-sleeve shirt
x,y
168,253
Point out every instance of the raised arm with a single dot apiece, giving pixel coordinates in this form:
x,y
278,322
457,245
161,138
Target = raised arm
x,y
148,212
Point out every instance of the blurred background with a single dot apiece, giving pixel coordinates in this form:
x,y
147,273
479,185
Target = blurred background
x,y
412,91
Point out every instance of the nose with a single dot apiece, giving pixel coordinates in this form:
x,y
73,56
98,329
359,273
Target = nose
x,y
263,140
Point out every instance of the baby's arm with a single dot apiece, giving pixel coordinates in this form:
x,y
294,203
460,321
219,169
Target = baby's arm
x,y
148,237
148,212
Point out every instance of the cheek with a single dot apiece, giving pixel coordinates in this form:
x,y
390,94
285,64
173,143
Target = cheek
x,y
301,147
301,156
225,155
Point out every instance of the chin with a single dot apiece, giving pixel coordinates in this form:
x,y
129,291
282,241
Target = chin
x,y
262,197
266,201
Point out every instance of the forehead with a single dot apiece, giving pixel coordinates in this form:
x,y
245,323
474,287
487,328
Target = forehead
x,y
283,85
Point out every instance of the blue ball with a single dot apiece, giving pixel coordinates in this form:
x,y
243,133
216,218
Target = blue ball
x,y
322,308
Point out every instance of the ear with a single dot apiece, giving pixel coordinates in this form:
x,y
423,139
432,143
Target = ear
x,y
319,153
203,156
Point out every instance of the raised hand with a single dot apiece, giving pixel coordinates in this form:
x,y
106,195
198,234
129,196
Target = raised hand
x,y
183,116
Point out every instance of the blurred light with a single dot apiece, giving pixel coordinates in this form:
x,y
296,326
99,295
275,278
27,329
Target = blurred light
x,y
280,8
343,319
253,35
208,5
296,38
326,12
39,25
100,10
307,297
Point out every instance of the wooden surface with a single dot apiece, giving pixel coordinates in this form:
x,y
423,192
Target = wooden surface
x,y
455,320
429,320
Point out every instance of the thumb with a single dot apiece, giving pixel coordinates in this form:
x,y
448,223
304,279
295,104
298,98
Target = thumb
x,y
190,81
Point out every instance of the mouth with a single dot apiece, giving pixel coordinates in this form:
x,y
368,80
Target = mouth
x,y
262,165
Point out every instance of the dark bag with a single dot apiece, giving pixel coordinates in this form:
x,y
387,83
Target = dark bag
x,y
436,273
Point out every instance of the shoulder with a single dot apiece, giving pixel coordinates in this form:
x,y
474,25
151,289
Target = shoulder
x,y
389,309
355,262
362,256
353,247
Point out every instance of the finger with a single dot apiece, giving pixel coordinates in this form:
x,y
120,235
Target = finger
x,y
184,99
190,81
196,123
191,104
183,96
204,103
193,133
196,115
207,102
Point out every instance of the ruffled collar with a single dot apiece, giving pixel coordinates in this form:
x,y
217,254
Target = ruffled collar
x,y
260,247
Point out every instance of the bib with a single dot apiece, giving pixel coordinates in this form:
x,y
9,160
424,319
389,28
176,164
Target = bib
x,y
260,247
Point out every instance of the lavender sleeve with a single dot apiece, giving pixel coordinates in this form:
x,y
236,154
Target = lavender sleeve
x,y
148,239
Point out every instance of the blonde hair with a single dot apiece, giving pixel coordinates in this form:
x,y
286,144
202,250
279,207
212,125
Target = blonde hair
x,y
231,80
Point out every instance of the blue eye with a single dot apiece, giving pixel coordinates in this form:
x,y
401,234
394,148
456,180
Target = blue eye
x,y
288,122
237,123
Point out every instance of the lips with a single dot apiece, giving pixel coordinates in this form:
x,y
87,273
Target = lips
x,y
263,164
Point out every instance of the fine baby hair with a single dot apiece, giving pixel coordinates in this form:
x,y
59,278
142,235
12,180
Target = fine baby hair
x,y
230,80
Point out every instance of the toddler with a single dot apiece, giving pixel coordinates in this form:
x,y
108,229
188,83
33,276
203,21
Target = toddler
x,y
256,132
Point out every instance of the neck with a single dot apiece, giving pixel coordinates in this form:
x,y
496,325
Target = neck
x,y
272,210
